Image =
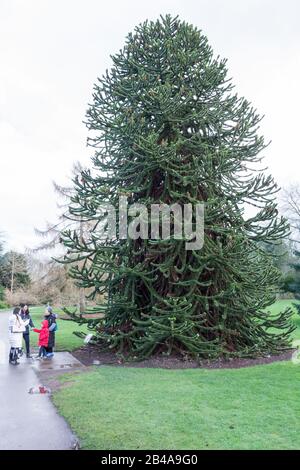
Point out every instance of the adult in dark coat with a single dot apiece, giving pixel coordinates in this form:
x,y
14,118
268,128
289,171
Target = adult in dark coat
x,y
50,316
25,315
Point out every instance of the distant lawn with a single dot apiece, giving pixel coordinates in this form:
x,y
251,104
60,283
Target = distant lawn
x,y
131,408
65,340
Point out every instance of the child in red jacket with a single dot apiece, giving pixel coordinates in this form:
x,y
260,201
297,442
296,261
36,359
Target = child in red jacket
x,y
43,338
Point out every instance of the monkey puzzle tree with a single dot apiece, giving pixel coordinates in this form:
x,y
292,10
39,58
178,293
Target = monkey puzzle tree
x,y
167,127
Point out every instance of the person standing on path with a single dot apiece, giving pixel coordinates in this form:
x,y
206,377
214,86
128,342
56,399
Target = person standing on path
x,y
16,328
25,315
51,318
43,339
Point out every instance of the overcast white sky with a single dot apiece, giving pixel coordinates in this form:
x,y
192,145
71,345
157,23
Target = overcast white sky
x,y
51,52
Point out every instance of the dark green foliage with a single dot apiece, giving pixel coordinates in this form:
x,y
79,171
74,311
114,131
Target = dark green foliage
x,y
167,127
1,293
280,254
291,280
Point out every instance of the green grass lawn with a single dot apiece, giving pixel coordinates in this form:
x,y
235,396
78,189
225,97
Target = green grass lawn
x,y
131,408
64,338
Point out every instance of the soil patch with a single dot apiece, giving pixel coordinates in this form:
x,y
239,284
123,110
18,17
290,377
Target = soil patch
x,y
90,355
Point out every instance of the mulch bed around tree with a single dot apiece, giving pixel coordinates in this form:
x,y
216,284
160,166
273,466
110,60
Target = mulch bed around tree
x,y
89,355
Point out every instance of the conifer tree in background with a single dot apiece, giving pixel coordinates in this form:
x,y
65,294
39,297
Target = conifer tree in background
x,y
167,127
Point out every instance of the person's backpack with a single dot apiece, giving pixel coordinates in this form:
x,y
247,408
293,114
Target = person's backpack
x,y
55,327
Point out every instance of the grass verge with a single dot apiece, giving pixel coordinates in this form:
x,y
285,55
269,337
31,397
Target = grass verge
x,y
131,408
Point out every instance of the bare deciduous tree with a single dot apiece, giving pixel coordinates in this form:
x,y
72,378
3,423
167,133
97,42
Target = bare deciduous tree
x,y
13,270
290,206
52,233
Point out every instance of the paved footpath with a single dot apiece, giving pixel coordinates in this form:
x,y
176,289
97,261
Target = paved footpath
x,y
27,422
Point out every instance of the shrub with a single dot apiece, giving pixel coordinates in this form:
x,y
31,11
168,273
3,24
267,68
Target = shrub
x,y
3,305
1,293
